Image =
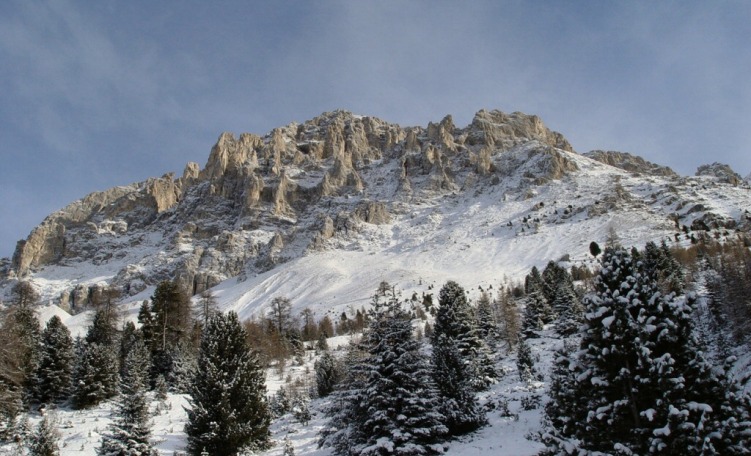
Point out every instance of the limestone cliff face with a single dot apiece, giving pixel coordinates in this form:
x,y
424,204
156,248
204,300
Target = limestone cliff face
x,y
723,173
630,163
496,128
133,205
260,200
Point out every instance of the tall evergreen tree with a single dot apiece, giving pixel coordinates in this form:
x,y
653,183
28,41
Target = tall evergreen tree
x,y
552,276
347,405
487,323
525,363
95,377
128,434
96,374
455,360
228,410
146,319
641,377
19,354
327,374
397,398
539,289
169,325
26,334
567,307
537,312
184,364
54,373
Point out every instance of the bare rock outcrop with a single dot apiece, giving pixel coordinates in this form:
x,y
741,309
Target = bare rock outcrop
x,y
230,155
136,204
373,212
631,163
260,199
723,173
443,133
501,130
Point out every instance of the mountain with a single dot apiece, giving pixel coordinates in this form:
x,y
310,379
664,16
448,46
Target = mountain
x,y
323,210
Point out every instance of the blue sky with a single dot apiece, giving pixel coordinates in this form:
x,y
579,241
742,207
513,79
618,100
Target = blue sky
x,y
105,93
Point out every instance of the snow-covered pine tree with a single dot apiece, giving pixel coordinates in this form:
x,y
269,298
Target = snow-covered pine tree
x,y
289,449
183,368
660,264
96,373
327,374
455,363
610,358
456,320
552,276
322,344
395,394
525,363
533,281
345,407
698,410
170,326
568,308
228,411
95,376
25,337
146,319
641,378
128,337
52,380
537,312
563,413
487,323
103,328
43,441
301,408
128,434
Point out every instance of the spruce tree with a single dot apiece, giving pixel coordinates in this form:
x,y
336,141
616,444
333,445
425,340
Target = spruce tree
x,y
20,342
228,411
525,363
168,325
455,363
537,312
346,407
183,368
96,373
43,441
327,374
563,413
396,396
95,377
128,434
568,308
54,373
640,378
486,320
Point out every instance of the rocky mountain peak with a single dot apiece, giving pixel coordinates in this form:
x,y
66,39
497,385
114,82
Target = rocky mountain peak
x,y
721,171
323,184
506,130
630,162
